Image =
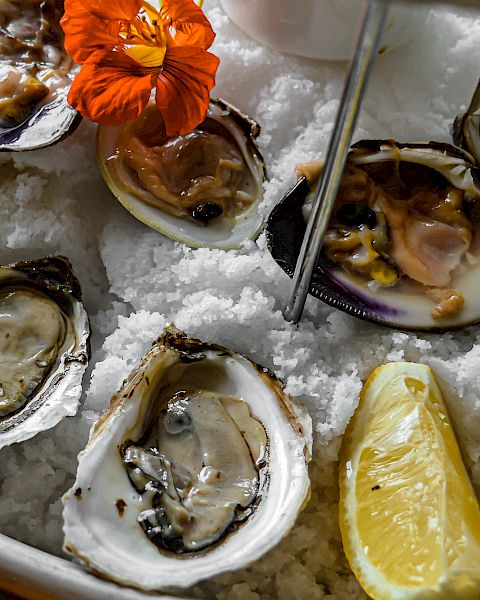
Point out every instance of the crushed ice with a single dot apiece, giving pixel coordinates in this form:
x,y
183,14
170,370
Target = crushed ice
x,y
134,281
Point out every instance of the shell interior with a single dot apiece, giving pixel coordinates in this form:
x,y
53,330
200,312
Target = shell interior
x,y
219,233
388,306
35,75
102,509
44,346
49,125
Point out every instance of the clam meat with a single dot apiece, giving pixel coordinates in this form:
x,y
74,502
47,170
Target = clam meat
x,y
198,467
201,188
402,245
43,346
35,75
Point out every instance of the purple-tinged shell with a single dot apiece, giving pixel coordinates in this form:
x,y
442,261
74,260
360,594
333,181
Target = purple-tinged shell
x,y
50,124
35,76
286,227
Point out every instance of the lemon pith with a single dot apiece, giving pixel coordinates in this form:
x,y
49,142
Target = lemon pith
x,y
409,517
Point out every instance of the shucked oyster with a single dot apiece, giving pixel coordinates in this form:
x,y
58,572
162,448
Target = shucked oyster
x,y
198,467
192,503
34,75
44,350
402,246
202,188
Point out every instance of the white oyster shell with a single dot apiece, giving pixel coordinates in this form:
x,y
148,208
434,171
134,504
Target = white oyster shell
x,y
106,535
56,392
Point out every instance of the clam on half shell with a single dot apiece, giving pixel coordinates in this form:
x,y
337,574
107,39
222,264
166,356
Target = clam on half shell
x,y
400,306
44,346
35,76
198,467
215,167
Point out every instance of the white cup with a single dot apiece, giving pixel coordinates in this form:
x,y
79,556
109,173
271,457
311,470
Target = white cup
x,y
324,29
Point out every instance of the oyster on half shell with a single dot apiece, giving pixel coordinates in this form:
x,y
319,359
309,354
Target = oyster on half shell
x,y
35,76
198,467
44,346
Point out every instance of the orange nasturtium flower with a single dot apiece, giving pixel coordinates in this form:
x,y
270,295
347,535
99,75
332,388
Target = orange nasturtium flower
x,y
128,47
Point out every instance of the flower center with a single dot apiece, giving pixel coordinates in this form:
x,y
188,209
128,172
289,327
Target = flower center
x,y
144,39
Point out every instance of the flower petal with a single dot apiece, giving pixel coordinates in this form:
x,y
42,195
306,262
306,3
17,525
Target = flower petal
x,y
183,87
193,27
90,25
111,88
123,10
84,35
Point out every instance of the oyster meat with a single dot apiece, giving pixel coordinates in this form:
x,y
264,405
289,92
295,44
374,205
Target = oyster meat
x,y
44,350
202,188
34,75
198,467
402,244
177,468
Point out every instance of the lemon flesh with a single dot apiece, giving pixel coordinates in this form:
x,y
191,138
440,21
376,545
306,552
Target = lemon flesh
x,y
409,517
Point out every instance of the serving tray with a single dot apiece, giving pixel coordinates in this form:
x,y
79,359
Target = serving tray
x,y
35,575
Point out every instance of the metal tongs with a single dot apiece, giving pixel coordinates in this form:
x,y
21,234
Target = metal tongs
x,y
373,24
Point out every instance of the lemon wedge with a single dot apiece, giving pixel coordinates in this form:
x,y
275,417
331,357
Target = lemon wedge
x,y
409,517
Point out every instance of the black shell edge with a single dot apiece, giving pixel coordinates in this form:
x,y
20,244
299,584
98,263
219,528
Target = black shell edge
x,y
248,126
291,205
458,126
55,275
192,349
52,272
443,147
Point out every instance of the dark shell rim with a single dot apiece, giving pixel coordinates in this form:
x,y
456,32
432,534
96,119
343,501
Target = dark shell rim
x,y
53,274
51,271
458,125
294,199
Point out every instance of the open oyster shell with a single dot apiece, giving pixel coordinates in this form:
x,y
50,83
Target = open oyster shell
x,y
392,306
202,227
140,513
44,346
35,76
